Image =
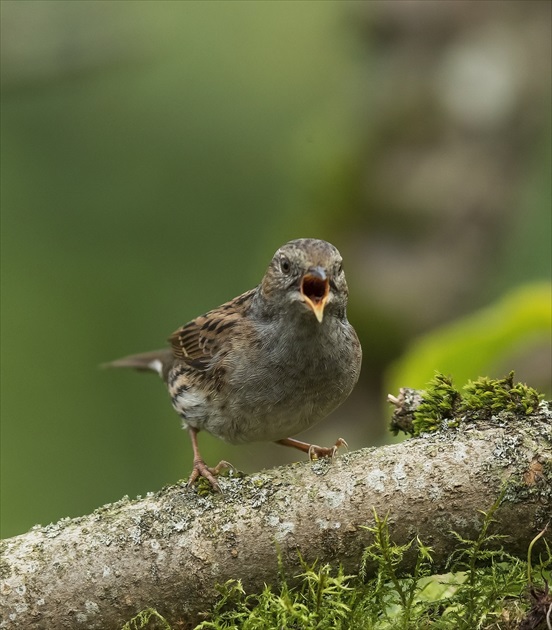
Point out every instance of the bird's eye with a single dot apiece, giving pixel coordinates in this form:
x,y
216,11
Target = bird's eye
x,y
285,265
339,267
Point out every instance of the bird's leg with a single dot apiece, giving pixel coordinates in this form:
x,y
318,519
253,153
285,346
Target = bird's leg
x,y
200,467
314,451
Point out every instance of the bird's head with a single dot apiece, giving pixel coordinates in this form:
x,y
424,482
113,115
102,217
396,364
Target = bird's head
x,y
306,274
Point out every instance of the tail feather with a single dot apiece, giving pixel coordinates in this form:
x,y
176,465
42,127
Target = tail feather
x,y
155,361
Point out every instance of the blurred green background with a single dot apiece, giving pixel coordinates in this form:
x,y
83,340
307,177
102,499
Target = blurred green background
x,y
156,154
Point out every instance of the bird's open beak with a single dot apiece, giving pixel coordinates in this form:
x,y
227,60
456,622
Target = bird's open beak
x,y
315,288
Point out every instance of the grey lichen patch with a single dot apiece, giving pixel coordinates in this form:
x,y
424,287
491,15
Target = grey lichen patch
x,y
328,523
256,489
110,508
335,498
321,466
5,569
281,528
399,476
534,482
504,449
375,480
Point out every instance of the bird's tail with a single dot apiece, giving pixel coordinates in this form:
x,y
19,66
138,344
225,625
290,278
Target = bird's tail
x,y
155,361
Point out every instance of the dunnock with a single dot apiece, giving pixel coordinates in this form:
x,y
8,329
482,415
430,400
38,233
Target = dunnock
x,y
268,364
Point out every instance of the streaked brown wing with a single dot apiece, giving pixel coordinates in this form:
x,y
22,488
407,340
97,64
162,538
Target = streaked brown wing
x,y
200,340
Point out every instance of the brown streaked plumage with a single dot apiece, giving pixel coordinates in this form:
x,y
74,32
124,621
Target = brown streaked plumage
x,y
269,363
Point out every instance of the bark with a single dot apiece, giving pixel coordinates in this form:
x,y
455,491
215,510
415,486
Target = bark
x,y
170,549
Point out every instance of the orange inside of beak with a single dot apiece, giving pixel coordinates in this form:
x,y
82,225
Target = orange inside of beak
x,y
315,289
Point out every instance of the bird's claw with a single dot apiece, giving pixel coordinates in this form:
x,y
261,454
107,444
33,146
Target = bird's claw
x,y
316,452
202,470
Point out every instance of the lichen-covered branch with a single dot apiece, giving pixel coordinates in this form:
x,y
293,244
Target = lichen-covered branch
x,y
170,549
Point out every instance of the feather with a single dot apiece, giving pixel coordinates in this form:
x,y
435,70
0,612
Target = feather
x,y
200,340
157,361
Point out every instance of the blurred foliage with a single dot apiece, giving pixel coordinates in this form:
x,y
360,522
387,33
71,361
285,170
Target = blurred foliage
x,y
155,154
481,343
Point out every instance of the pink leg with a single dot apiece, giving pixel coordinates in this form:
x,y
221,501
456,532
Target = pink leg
x,y
200,468
314,451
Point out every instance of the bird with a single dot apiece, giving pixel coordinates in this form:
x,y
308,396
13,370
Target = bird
x,y
269,363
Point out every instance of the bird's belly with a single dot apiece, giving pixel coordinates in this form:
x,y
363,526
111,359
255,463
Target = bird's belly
x,y
268,411
276,408
261,424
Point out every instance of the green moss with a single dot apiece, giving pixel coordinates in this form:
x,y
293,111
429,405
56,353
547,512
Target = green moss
x,y
443,405
439,404
203,487
319,602
148,619
489,396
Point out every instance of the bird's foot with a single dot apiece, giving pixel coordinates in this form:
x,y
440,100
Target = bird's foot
x,y
202,470
317,452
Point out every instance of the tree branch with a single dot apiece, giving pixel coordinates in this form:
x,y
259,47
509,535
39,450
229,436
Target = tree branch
x,y
170,549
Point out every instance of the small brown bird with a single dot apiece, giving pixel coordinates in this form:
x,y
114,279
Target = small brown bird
x,y
268,364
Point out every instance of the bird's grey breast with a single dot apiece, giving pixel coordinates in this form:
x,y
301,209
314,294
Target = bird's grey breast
x,y
289,378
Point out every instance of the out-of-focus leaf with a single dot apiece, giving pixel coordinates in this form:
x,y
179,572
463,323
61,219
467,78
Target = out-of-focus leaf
x,y
480,343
